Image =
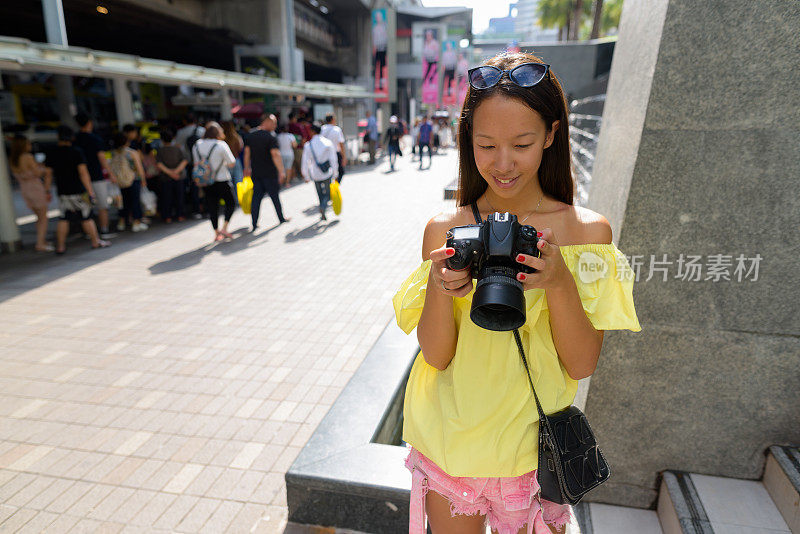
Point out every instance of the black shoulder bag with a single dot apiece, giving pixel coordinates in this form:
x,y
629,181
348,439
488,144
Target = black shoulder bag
x,y
325,166
570,462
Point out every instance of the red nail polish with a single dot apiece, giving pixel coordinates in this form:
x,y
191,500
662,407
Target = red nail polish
x,y
539,234
450,251
522,277
520,258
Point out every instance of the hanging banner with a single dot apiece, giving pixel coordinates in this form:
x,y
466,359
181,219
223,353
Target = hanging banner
x,y
461,75
430,65
380,46
449,64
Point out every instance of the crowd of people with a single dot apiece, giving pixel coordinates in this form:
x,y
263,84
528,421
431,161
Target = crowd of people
x,y
426,135
188,170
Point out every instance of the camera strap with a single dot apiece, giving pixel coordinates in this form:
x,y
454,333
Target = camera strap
x,y
476,213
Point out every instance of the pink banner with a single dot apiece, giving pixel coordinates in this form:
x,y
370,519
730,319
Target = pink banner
x,y
449,64
461,76
430,65
380,41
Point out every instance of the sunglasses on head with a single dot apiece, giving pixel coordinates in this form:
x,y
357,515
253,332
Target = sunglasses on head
x,y
525,75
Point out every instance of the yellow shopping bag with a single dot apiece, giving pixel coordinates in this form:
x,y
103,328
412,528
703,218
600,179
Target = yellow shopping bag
x,y
244,190
336,197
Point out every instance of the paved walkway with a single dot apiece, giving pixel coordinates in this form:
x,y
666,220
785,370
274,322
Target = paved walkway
x,y
168,384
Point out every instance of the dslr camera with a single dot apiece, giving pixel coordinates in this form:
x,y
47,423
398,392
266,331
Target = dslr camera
x,y
489,250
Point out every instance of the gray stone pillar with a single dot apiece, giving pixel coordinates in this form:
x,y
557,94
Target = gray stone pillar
x,y
9,232
56,31
225,112
123,100
698,157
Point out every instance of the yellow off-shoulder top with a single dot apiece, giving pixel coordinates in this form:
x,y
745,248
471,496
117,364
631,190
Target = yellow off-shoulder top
x,y
477,418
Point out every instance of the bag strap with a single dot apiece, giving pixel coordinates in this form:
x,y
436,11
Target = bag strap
x,y
542,417
476,213
221,163
313,153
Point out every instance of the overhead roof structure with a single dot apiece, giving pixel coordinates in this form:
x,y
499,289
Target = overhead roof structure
x,y
24,55
431,12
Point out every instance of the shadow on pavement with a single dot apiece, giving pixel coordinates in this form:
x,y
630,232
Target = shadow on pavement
x,y
242,240
27,270
309,232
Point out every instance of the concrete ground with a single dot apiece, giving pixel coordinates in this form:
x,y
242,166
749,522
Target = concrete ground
x,y
167,383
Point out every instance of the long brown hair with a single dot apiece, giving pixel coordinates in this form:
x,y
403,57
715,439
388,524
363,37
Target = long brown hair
x,y
232,137
19,146
547,99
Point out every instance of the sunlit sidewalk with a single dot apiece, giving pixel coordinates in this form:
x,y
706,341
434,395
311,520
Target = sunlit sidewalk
x,y
168,383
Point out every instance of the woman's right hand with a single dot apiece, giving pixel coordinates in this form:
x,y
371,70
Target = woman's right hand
x,y
447,281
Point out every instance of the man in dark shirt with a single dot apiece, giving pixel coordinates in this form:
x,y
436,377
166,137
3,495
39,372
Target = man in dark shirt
x,y
171,162
94,151
73,182
263,163
425,139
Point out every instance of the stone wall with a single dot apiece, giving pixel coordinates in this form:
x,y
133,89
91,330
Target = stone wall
x,y
698,155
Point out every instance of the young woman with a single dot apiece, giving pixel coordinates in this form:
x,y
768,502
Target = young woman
x,y
34,184
469,416
236,144
287,145
214,147
126,163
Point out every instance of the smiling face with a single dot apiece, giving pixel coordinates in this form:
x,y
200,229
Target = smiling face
x,y
508,139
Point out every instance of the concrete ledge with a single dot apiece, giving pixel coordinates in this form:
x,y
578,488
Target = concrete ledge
x,y
342,478
782,481
680,509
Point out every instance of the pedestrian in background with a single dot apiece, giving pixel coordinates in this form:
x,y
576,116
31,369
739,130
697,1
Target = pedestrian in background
x,y
34,181
185,138
213,148
287,143
372,136
131,131
171,163
425,139
320,165
414,137
295,128
393,135
75,192
94,150
236,144
263,162
126,165
331,131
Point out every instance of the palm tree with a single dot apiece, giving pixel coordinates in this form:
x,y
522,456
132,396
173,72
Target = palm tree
x,y
598,9
575,29
556,13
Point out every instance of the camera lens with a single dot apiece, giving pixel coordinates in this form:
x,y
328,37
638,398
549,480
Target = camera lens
x,y
499,300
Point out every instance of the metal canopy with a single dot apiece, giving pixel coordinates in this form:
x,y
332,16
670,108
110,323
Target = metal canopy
x,y
22,54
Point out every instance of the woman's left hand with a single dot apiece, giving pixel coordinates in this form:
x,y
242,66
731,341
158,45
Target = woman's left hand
x,y
551,272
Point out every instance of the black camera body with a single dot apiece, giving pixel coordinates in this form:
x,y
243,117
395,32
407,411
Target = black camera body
x,y
489,250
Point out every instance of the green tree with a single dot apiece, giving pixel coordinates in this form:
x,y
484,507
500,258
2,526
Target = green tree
x,y
596,17
580,19
609,20
566,15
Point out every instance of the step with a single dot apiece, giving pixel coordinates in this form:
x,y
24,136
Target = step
x,y
690,503
782,480
596,518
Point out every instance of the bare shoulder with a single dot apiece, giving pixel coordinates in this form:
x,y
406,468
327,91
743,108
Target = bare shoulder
x,y
588,226
437,227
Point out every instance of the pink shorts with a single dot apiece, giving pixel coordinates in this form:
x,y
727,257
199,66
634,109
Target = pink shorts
x,y
507,502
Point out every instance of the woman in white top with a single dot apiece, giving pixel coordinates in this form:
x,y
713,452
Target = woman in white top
x,y
319,164
213,147
286,144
